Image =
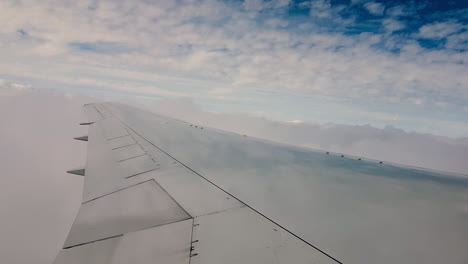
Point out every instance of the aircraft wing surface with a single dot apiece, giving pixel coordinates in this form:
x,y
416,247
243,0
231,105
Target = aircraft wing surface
x,y
143,205
160,190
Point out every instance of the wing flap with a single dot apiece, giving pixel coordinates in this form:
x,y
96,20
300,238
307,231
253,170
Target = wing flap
x,y
169,244
135,208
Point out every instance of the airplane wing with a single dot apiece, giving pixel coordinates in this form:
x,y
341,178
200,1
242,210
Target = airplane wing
x,y
143,204
160,190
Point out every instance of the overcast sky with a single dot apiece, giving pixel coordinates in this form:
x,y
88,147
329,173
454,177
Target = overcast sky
x,y
382,80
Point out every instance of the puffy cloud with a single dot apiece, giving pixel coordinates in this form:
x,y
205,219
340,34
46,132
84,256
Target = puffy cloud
x,y
457,41
376,9
391,25
12,88
440,30
167,49
257,5
396,11
321,9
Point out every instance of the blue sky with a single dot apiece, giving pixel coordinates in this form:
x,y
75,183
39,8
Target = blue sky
x,y
383,63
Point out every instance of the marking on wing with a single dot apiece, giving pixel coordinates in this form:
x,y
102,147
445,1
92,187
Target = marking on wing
x,y
97,240
121,141
248,238
193,193
172,197
127,152
191,242
137,166
117,137
132,157
125,146
136,174
117,191
113,128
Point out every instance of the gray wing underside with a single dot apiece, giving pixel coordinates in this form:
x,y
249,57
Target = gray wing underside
x,y
144,203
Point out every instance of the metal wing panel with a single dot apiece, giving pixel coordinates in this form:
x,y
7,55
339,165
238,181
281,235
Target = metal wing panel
x,y
112,128
105,170
121,142
100,252
162,160
248,238
121,196
240,190
137,166
103,111
102,171
128,152
92,113
193,193
168,244
135,208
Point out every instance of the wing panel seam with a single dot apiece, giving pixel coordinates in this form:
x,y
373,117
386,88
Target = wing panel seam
x,y
116,191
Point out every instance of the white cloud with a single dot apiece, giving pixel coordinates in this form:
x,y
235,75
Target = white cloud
x,y
396,11
295,121
253,5
457,41
276,23
11,88
195,47
257,5
375,8
392,25
321,9
440,30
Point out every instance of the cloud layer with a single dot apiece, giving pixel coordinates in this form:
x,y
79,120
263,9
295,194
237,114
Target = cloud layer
x,y
372,57
38,199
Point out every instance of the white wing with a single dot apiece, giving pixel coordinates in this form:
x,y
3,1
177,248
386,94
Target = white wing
x,y
144,202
